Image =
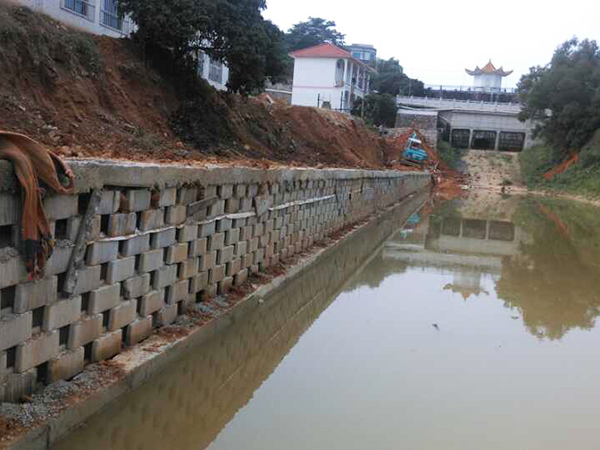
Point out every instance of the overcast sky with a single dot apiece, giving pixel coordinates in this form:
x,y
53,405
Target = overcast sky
x,y
436,40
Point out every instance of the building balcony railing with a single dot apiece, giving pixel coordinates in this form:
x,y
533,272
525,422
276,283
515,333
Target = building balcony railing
x,y
116,22
80,7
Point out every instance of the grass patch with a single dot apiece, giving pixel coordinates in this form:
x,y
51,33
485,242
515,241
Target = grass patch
x,y
450,155
43,43
582,178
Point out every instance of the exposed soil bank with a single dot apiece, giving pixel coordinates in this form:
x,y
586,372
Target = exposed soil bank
x,y
90,96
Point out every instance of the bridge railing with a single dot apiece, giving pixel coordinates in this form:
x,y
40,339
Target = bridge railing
x,y
459,104
470,89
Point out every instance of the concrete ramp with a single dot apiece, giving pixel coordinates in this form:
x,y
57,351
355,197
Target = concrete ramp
x,y
493,168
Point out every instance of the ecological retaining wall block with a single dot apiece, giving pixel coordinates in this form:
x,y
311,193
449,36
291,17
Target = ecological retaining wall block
x,y
62,313
15,329
29,296
107,346
85,331
66,365
37,350
138,331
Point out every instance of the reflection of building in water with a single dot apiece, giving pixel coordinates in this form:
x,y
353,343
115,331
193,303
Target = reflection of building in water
x,y
473,236
470,247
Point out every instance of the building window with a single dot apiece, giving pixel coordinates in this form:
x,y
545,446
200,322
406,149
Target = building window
x,y
111,18
80,7
357,55
215,72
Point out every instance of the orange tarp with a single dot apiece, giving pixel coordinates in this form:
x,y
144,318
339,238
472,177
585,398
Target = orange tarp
x,y
33,163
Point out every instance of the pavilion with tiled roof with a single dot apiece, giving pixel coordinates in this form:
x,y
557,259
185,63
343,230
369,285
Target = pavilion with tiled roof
x,y
488,78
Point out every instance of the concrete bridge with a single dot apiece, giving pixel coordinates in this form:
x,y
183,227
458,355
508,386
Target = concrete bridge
x,y
477,125
443,103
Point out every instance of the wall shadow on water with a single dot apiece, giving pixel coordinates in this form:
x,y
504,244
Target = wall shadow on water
x,y
189,404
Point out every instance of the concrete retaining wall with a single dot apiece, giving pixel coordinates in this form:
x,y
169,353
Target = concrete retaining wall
x,y
159,241
220,375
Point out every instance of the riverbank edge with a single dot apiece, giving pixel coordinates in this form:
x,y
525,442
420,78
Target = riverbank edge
x,y
549,193
145,360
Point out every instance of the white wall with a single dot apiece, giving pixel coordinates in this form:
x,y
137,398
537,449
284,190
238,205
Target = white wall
x,y
314,77
314,72
488,81
206,70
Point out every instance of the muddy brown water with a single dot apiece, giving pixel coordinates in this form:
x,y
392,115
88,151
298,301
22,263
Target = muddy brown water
x,y
472,327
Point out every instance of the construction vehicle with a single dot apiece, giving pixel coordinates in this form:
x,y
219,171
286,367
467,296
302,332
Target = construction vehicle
x,y
414,155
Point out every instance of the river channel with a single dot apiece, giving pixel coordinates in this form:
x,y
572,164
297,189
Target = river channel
x,y
471,327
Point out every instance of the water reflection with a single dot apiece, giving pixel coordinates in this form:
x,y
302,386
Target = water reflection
x,y
543,254
355,362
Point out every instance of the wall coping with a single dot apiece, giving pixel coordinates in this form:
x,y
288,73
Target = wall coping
x,y
95,174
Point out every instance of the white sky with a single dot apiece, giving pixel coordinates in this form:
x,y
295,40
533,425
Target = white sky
x,y
436,40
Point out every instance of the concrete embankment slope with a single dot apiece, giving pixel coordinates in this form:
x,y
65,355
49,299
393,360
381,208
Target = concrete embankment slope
x,y
139,246
492,169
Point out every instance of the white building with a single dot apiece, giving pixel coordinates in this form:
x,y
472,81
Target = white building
x,y
102,17
363,52
94,16
488,79
216,73
328,76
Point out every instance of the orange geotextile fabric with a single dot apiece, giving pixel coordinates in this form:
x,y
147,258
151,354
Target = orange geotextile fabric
x,y
34,163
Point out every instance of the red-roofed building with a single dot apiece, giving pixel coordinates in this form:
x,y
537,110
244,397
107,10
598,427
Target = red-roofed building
x,y
327,75
488,78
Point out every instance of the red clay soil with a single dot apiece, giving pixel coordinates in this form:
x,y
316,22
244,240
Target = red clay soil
x,y
562,227
89,96
446,179
562,167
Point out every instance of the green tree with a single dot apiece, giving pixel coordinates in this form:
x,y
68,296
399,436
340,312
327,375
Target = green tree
x,y
313,32
229,31
564,96
380,109
392,80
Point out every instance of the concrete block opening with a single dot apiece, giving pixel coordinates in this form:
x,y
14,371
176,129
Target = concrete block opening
x,y
63,336
38,319
42,373
7,300
6,236
60,229
11,358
